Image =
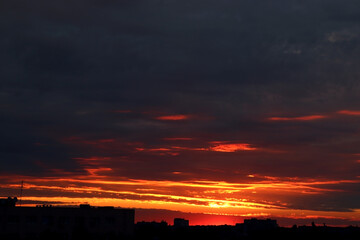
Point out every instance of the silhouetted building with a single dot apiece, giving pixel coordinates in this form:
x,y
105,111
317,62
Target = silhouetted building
x,y
8,202
252,225
65,222
180,222
152,224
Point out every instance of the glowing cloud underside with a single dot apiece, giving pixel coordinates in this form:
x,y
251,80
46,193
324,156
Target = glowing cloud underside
x,y
256,198
232,147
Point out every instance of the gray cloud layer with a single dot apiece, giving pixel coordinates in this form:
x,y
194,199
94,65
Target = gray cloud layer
x,y
66,66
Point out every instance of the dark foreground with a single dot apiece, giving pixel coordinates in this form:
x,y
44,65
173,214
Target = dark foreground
x,y
237,232
108,223
165,232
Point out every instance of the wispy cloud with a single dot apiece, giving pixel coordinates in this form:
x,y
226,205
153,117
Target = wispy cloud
x,y
173,117
265,195
301,118
349,112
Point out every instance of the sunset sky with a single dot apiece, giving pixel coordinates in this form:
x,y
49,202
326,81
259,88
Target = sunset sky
x,y
212,110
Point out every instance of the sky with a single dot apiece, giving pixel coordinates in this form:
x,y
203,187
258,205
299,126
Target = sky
x,y
211,110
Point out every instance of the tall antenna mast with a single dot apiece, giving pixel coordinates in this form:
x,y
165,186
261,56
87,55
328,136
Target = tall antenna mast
x,y
21,191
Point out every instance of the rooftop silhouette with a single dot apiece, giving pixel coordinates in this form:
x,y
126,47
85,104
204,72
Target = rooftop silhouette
x,y
47,221
90,223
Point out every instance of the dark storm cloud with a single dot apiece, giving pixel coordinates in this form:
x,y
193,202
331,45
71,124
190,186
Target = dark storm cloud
x,y
66,67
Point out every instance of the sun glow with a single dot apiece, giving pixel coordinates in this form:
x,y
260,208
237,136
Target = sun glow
x,y
191,196
254,195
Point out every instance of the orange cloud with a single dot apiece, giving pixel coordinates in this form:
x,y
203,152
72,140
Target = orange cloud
x,y
223,198
159,149
231,147
173,117
215,147
95,171
302,118
189,148
348,112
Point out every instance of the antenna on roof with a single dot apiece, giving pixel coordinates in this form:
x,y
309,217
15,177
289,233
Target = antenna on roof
x,y
21,191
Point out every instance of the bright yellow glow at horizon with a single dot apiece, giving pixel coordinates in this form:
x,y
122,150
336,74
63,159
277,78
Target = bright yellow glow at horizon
x,y
211,197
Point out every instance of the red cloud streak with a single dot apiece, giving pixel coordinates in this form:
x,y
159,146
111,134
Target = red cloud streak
x,y
302,118
348,112
173,117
